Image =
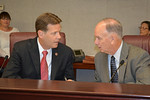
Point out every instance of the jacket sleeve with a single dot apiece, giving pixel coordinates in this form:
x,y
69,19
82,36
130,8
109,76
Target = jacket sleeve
x,y
13,68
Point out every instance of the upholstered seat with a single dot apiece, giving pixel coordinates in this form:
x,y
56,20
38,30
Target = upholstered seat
x,y
138,40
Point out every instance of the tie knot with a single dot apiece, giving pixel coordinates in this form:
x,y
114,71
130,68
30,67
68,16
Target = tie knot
x,y
44,53
112,57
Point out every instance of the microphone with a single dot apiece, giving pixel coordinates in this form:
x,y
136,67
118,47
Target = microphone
x,y
5,59
121,63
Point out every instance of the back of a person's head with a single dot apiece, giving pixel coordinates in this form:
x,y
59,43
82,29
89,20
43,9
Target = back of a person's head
x,y
47,18
5,15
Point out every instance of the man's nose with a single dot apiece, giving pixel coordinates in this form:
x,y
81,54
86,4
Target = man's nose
x,y
58,36
96,42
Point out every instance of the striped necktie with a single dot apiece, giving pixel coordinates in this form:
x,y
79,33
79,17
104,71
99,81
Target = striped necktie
x,y
113,69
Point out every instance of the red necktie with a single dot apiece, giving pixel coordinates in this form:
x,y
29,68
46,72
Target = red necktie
x,y
44,67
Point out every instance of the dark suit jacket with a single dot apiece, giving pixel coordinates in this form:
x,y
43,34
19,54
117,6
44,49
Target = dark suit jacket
x,y
25,62
136,68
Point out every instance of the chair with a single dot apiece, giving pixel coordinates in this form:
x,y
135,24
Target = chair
x,y
138,40
18,36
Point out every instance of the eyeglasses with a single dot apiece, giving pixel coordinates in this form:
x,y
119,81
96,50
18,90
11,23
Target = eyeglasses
x,y
143,28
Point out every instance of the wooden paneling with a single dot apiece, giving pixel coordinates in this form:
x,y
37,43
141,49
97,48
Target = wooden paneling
x,y
26,89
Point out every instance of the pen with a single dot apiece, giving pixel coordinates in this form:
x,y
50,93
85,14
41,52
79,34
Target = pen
x,y
65,78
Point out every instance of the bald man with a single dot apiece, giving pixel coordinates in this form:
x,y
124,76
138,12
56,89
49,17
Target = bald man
x,y
134,66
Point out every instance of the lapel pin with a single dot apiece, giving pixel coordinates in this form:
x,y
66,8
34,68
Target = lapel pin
x,y
56,54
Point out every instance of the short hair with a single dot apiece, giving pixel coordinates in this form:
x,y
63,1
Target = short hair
x,y
4,15
148,23
113,26
46,18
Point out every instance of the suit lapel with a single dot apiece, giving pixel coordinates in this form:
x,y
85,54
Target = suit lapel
x,y
55,61
124,56
34,52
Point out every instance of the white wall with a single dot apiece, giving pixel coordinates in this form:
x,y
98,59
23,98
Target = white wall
x,y
79,17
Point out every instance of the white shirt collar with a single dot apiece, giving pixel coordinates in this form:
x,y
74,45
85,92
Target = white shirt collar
x,y
41,49
48,57
118,53
117,58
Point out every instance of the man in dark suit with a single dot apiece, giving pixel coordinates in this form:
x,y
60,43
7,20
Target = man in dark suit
x,y
27,55
135,62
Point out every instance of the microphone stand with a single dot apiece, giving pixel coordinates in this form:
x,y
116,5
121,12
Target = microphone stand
x,y
121,63
1,68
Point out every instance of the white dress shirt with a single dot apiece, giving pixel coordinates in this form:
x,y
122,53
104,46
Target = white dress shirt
x,y
117,59
48,58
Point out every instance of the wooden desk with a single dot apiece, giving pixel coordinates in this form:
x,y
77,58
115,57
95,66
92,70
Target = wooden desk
x,y
83,66
24,89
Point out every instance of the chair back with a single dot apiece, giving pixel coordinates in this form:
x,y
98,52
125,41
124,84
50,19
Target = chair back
x,y
19,36
138,40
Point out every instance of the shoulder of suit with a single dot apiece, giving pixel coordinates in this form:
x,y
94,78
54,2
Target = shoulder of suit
x,y
23,42
100,54
60,45
135,49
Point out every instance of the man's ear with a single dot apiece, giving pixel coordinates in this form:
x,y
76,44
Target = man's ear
x,y
112,36
40,33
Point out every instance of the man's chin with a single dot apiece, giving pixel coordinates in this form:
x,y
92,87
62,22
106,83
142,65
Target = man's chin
x,y
55,46
102,51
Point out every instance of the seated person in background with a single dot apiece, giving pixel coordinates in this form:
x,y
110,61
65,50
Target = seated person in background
x,y
145,28
5,30
134,62
42,57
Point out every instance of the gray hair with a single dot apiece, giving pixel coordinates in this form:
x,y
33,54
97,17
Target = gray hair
x,y
113,26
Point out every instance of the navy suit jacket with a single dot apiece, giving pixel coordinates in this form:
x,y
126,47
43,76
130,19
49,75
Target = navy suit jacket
x,y
25,61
